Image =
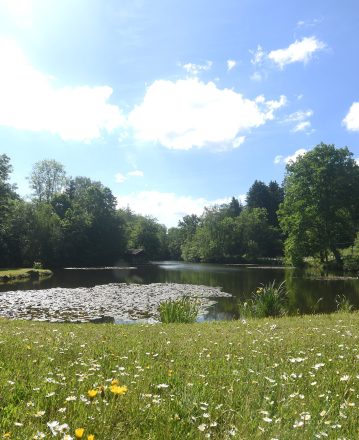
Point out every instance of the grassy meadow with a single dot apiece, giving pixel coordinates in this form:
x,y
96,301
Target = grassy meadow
x,y
285,378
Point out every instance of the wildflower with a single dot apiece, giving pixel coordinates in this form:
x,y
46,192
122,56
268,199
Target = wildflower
x,y
162,385
202,427
115,382
79,432
7,435
92,394
39,414
118,390
90,437
345,378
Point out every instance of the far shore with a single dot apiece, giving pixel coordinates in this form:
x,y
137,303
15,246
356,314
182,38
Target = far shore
x,y
23,274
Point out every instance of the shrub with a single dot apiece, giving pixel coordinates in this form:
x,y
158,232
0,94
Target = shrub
x,y
183,310
37,265
267,300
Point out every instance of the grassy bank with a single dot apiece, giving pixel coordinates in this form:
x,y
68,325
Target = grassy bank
x,y
287,378
23,274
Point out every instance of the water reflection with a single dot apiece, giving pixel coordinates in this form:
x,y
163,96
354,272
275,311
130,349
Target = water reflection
x,y
307,293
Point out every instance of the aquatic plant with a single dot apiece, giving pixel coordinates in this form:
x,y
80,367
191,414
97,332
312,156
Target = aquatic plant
x,y
268,300
183,310
343,304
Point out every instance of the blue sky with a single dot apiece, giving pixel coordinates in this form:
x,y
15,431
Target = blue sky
x,y
176,104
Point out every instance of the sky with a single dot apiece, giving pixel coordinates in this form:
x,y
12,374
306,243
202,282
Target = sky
x,y
177,104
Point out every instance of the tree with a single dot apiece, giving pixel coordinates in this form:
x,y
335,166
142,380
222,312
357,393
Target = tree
x,y
149,235
47,179
265,196
94,233
320,211
7,197
258,238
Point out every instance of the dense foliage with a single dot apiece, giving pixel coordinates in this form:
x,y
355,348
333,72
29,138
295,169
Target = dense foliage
x,y
320,212
75,221
69,222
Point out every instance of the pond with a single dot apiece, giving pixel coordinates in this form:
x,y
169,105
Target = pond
x,y
307,293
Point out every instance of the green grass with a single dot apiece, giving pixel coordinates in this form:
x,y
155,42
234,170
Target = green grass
x,y
285,378
21,274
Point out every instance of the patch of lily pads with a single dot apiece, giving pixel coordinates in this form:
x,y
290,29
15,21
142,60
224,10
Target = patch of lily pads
x,y
115,302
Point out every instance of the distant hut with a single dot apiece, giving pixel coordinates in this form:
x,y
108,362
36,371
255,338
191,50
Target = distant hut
x,y
136,256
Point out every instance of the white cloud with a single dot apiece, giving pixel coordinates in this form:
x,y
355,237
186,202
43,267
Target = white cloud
x,y
302,126
281,159
357,160
299,51
195,69
120,178
190,113
31,101
351,120
20,11
231,64
168,208
136,173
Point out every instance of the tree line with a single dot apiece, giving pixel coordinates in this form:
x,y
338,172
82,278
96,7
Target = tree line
x,y
75,221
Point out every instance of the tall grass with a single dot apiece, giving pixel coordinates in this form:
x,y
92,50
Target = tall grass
x,y
268,300
343,304
182,310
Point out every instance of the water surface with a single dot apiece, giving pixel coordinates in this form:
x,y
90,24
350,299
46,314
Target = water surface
x,y
307,293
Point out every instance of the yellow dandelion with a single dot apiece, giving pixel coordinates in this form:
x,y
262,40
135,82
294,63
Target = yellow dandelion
x,y
79,432
115,382
7,435
118,390
92,393
90,437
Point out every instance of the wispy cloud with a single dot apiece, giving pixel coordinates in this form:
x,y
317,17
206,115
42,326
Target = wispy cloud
x,y
195,69
301,51
300,119
309,23
135,173
258,55
31,101
231,64
190,113
120,178
351,120
302,126
285,160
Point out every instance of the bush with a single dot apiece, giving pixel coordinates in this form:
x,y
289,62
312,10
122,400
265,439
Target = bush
x,y
183,310
267,300
37,265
